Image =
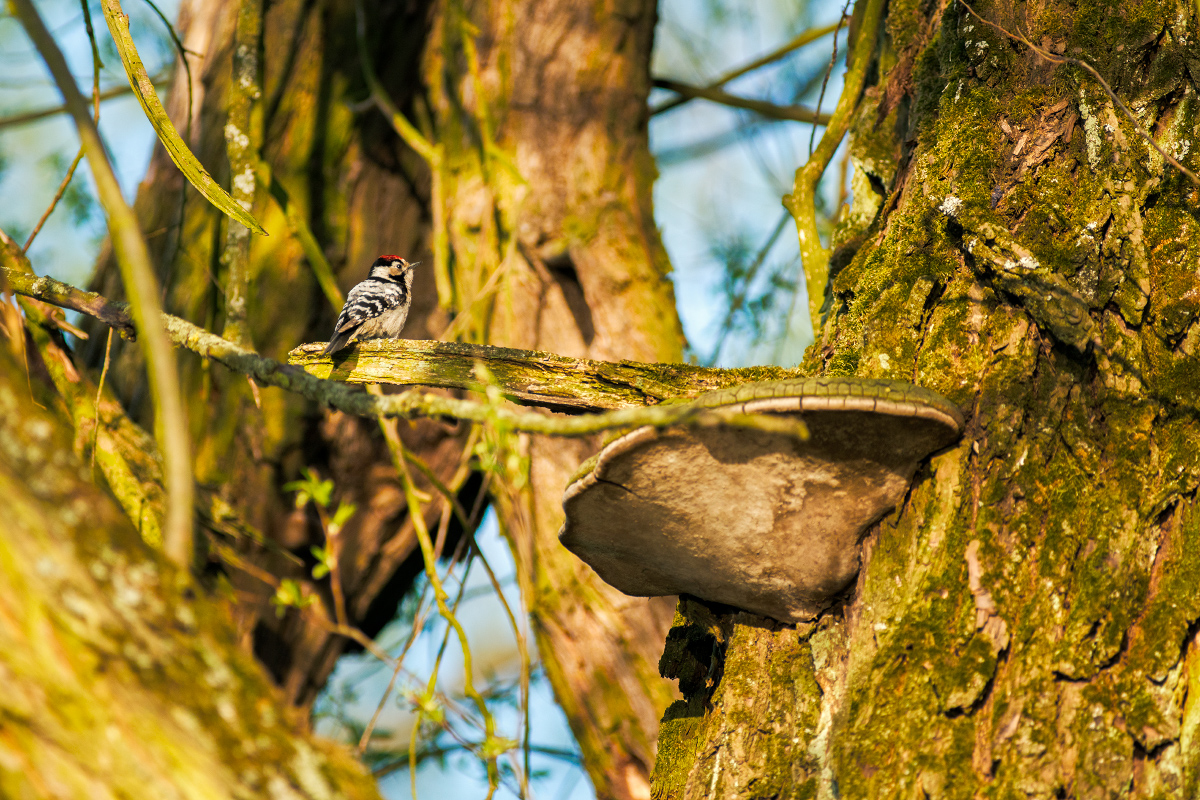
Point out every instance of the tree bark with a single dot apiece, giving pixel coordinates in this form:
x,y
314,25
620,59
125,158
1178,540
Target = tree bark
x,y
543,198
1028,621
120,677
562,226
361,197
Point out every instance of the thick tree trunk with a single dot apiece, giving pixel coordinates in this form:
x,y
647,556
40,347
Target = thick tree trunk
x,y
361,196
581,271
118,677
544,197
1026,623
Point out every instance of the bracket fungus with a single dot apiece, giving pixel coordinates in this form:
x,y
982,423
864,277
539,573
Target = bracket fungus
x,y
753,518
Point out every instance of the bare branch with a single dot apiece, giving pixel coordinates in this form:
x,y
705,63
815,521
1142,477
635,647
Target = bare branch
x,y
528,377
33,116
24,282
804,38
762,107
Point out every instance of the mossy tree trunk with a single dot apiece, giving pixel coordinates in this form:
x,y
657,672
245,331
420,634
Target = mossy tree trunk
x,y
547,188
361,196
1027,622
535,230
120,676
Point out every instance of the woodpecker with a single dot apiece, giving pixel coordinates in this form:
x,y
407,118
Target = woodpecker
x,y
378,307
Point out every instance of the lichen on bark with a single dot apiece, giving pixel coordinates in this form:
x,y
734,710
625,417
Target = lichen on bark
x,y
1026,622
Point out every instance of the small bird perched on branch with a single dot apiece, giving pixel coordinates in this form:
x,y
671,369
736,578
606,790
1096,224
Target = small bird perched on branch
x,y
378,307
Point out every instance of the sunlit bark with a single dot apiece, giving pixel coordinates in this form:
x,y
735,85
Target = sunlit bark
x,y
120,678
1026,622
544,198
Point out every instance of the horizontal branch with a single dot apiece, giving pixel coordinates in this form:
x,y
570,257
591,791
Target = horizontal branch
x,y
63,295
33,116
804,38
528,377
761,107
414,403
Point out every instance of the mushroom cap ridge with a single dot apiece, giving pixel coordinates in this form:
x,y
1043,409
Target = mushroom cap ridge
x,y
749,518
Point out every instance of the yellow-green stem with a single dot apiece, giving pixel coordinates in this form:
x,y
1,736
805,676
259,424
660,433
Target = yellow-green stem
x,y
143,88
440,596
802,201
141,287
298,225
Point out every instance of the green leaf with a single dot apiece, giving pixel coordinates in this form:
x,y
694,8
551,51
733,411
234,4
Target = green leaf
x,y
495,746
288,594
427,703
324,564
344,512
311,488
118,25
302,495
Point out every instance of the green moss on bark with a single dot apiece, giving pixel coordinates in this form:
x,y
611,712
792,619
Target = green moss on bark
x,y
1026,623
120,677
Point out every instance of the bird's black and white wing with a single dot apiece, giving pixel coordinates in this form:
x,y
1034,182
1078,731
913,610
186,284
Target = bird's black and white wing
x,y
373,308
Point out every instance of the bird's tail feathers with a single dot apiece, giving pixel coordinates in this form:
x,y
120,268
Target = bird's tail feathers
x,y
339,340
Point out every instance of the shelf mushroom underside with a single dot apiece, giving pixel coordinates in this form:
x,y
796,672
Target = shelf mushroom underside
x,y
752,519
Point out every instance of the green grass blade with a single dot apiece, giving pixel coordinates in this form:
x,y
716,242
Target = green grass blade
x,y
118,25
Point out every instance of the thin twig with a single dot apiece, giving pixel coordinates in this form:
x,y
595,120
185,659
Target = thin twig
x,y
433,751
796,43
522,649
431,682
399,452
417,626
322,269
440,596
1057,59
26,117
62,190
179,48
331,559
99,395
760,107
739,300
802,200
812,135
401,458
97,65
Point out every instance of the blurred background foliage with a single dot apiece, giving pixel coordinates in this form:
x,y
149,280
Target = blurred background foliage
x,y
738,284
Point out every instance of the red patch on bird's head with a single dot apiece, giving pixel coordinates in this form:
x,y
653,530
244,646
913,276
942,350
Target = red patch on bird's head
x,y
386,258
